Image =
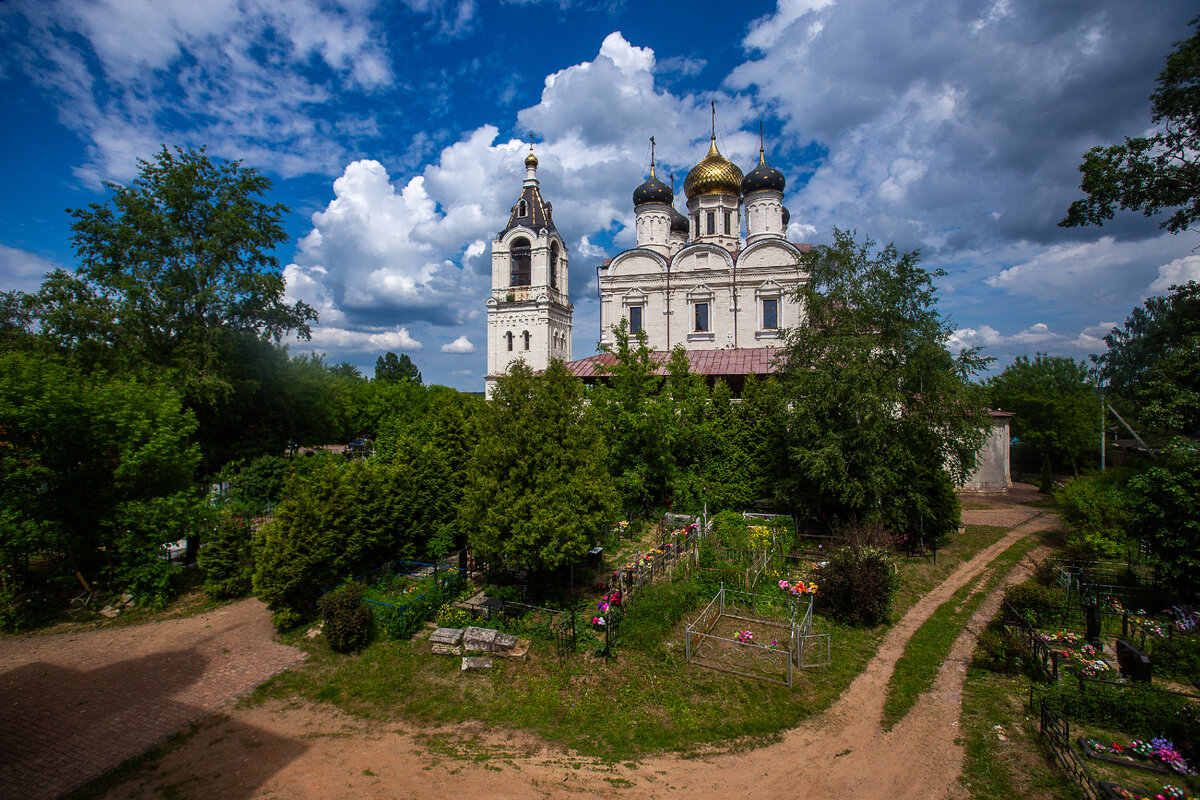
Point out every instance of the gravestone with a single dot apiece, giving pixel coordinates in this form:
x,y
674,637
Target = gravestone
x,y
1135,665
476,662
1093,625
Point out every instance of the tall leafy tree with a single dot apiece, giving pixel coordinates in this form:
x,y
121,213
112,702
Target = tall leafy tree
x,y
393,368
1164,506
539,487
875,397
639,421
80,454
1056,406
1153,361
172,270
1155,173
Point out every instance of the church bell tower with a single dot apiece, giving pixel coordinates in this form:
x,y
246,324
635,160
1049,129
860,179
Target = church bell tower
x,y
529,312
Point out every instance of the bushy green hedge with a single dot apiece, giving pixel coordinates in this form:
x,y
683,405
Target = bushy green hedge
x,y
1039,604
226,559
858,583
348,620
341,519
1000,650
1095,511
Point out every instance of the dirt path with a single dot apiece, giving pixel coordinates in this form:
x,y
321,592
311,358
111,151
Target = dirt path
x,y
74,705
300,751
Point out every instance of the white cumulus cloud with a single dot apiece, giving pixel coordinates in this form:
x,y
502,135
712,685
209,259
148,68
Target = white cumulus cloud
x,y
460,345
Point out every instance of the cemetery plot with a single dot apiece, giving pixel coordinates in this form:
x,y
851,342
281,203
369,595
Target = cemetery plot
x,y
1114,733
756,636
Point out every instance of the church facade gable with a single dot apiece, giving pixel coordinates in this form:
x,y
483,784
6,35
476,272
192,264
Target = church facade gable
x,y
723,277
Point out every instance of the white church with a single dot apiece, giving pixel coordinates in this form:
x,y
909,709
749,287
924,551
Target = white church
x,y
720,281
693,280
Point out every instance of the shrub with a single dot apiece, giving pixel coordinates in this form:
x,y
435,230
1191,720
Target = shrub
x,y
929,508
451,617
999,650
1095,512
1037,603
731,530
858,583
348,620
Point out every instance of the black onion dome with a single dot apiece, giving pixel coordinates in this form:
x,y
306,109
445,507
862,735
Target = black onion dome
x,y
653,191
679,223
763,178
787,215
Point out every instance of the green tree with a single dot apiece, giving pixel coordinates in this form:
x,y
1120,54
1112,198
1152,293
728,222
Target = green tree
x,y
395,369
339,519
1157,172
1056,406
539,488
170,269
1164,511
1153,361
82,458
638,421
875,397
226,557
346,370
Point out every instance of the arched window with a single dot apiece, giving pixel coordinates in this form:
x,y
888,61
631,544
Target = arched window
x,y
519,275
526,335
522,209
508,336
554,265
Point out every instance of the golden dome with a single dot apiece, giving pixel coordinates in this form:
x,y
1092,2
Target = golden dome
x,y
714,175
531,159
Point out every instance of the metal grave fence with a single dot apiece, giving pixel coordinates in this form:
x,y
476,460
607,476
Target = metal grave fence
x,y
723,637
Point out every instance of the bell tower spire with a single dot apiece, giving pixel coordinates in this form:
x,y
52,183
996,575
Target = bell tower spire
x,y
529,311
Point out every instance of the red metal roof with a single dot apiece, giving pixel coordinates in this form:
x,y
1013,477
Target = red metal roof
x,y
740,361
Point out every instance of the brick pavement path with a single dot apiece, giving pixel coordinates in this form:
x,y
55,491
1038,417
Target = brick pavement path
x,y
75,705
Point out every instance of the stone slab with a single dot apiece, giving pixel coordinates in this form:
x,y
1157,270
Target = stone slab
x,y
479,639
447,636
446,650
517,652
505,641
476,662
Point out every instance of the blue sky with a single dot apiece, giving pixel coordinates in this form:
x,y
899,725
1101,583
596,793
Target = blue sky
x,y
395,132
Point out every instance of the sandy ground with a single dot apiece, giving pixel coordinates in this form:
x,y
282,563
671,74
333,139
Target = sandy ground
x,y
296,750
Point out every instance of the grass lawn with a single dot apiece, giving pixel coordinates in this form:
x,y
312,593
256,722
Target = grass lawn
x,y
1004,756
644,701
